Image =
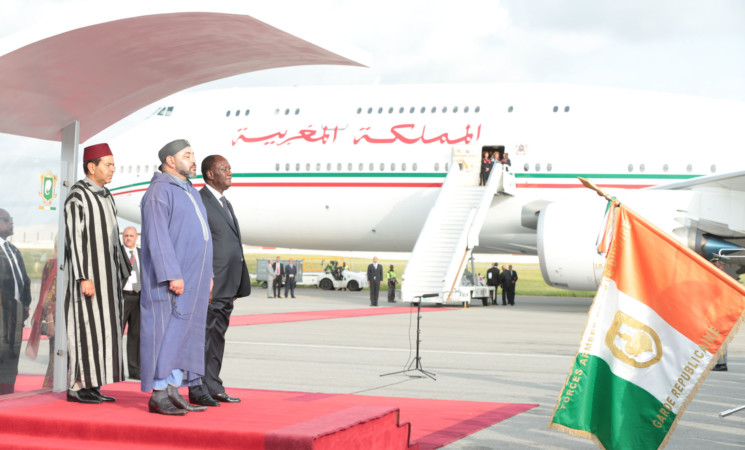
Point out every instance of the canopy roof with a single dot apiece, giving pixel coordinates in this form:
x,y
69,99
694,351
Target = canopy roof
x,y
101,73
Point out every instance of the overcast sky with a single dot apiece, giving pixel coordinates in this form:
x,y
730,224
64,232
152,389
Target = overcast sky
x,y
679,46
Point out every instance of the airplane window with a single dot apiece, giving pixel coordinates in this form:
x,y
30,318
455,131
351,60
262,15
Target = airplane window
x,y
338,167
477,109
297,167
237,112
556,108
642,167
413,167
510,109
444,109
411,110
169,111
382,167
276,112
248,111
372,167
349,167
549,167
276,167
537,167
437,167
433,110
138,169
369,110
297,111
403,167
455,109
287,111
401,110
713,168
526,167
447,166
287,167
393,167
631,167
465,110
129,169
227,114
328,167
307,167
423,110
318,167
359,110
665,168
390,110
362,167
380,110
566,109
689,168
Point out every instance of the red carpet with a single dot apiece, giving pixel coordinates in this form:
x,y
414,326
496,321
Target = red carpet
x,y
263,420
258,319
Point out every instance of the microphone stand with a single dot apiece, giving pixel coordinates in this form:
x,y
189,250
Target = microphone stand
x,y
416,363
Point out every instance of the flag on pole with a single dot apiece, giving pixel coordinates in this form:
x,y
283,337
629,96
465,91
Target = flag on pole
x,y
658,323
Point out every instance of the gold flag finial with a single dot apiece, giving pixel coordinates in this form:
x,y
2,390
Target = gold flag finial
x,y
588,184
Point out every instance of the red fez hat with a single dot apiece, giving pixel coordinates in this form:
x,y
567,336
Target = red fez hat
x,y
96,151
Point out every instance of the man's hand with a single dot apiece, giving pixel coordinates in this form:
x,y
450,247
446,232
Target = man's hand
x,y
86,286
176,286
212,284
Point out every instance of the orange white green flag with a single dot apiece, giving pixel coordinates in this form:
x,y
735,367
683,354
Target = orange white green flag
x,y
657,325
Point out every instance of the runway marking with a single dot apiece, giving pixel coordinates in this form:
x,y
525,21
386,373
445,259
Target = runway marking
x,y
382,349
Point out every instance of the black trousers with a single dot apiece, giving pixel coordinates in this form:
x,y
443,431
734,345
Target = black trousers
x,y
218,319
290,285
374,292
509,295
131,317
277,286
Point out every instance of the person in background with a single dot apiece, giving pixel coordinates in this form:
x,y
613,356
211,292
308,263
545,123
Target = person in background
x,y
374,277
493,279
509,279
15,298
131,308
721,365
279,273
270,276
43,318
391,277
290,274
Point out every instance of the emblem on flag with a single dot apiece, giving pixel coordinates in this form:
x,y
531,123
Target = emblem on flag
x,y
48,190
633,342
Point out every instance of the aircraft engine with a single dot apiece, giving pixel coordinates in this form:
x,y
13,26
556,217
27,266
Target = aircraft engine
x,y
566,234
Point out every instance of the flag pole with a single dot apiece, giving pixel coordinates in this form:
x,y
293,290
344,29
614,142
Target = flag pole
x,y
588,184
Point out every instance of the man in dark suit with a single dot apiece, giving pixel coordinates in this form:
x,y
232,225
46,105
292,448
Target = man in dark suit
x,y
15,298
279,271
492,279
509,278
374,277
231,278
290,274
131,309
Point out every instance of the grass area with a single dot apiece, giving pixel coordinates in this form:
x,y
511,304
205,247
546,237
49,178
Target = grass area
x,y
530,280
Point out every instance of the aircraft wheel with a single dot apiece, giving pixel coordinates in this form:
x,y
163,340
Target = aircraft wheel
x,y
326,284
353,285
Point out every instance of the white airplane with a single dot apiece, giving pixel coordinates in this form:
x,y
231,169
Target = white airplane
x,y
358,168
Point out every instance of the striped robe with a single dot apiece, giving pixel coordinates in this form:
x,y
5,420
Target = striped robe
x,y
93,252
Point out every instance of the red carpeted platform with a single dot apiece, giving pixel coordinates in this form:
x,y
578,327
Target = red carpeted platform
x,y
263,420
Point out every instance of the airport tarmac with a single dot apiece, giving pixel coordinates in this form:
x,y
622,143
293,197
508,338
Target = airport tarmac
x,y
517,354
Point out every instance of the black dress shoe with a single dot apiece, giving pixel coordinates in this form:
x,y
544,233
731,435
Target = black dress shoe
x,y
82,396
164,406
204,400
224,397
720,368
97,394
179,402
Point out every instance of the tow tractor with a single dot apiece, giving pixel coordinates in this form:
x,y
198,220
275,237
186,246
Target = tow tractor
x,y
354,281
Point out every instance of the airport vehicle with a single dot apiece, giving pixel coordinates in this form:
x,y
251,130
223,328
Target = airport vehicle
x,y
354,281
360,167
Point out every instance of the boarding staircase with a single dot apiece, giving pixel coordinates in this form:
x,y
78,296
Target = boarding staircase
x,y
450,233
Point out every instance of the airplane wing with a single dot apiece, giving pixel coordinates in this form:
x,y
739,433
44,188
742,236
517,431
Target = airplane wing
x,y
733,181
